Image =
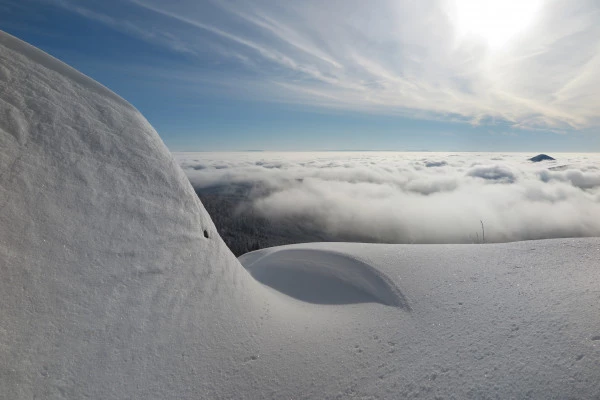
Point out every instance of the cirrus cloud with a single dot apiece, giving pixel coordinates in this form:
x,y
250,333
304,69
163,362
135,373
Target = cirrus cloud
x,y
394,57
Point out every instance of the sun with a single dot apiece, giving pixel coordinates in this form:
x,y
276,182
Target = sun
x,y
494,21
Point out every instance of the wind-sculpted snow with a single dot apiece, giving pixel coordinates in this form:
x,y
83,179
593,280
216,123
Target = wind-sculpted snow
x,y
413,197
103,259
110,289
322,276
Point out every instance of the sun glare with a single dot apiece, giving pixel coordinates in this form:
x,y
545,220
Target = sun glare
x,y
495,21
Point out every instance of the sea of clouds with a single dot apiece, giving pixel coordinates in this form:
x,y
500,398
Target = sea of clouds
x,y
415,197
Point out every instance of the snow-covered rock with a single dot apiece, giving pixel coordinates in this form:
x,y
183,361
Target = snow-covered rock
x,y
109,288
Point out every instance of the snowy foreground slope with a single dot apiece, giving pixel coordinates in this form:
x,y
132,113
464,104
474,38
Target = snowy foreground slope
x,y
109,288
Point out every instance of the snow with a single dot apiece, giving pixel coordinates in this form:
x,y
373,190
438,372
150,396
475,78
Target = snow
x,y
110,290
513,320
321,276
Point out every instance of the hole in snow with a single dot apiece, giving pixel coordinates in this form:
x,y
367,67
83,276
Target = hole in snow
x,y
322,277
206,233
313,287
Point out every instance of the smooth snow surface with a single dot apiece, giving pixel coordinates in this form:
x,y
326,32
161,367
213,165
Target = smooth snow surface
x,y
110,290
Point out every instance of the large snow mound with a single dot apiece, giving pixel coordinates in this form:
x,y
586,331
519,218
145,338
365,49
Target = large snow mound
x,y
109,288
104,265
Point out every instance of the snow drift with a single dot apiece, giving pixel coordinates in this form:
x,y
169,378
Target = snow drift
x,y
104,264
110,288
322,276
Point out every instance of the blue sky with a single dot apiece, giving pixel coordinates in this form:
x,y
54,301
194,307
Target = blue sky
x,y
439,75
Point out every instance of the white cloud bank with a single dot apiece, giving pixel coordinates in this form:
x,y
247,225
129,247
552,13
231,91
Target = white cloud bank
x,y
416,197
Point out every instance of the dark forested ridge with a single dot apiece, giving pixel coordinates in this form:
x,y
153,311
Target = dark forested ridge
x,y
243,229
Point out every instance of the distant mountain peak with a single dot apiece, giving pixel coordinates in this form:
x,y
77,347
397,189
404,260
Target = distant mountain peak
x,y
541,157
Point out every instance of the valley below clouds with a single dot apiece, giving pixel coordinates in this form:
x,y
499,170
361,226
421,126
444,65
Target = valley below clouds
x,y
398,197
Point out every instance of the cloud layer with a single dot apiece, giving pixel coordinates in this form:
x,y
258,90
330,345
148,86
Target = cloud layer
x,y
441,59
415,197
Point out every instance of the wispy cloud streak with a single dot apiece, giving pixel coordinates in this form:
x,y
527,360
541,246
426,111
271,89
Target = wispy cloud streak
x,y
391,57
